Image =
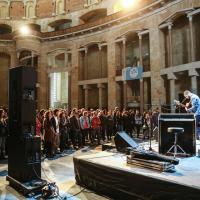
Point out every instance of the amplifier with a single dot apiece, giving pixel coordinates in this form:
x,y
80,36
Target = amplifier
x,y
186,140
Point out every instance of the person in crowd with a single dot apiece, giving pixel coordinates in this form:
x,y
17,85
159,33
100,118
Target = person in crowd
x,y
49,135
110,129
85,125
41,118
76,135
195,108
3,133
95,125
119,121
38,126
55,124
115,118
138,122
127,123
63,127
104,124
147,126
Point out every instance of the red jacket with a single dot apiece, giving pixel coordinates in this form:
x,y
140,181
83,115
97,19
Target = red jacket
x,y
95,123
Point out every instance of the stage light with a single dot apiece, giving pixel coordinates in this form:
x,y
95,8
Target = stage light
x,y
24,30
127,3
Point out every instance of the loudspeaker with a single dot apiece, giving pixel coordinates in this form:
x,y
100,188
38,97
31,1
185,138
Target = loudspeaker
x,y
22,106
123,140
24,160
187,140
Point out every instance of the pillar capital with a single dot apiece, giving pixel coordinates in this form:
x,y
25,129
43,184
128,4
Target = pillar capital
x,y
86,87
171,76
123,40
100,85
193,72
169,25
100,47
190,17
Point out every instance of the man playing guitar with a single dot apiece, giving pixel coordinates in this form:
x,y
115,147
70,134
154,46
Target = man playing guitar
x,y
195,108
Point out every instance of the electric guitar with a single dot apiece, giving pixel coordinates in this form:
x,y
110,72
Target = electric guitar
x,y
177,103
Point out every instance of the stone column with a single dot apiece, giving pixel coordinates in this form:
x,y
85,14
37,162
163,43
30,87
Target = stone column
x,y
158,95
100,87
141,80
24,17
171,77
193,74
124,65
192,50
86,64
69,90
100,61
124,52
111,57
74,77
170,44
43,79
8,10
66,59
86,95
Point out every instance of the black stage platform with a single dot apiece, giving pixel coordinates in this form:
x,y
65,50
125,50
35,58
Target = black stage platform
x,y
107,173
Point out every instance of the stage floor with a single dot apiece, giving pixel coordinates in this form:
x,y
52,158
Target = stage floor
x,y
93,170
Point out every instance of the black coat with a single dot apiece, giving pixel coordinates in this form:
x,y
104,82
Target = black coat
x,y
3,129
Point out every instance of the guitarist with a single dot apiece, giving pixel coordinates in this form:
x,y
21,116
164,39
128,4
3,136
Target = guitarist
x,y
195,108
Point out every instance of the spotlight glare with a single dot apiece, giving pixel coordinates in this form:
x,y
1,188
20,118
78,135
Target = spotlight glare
x,y
127,3
24,30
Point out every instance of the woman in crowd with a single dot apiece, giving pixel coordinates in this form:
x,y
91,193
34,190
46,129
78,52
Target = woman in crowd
x,y
3,133
49,135
138,122
147,126
119,121
95,125
110,129
63,130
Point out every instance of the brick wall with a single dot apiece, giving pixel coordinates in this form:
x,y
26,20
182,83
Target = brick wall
x,y
17,10
44,8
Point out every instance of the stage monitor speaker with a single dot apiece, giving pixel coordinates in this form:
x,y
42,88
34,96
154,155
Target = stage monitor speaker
x,y
123,140
186,140
22,104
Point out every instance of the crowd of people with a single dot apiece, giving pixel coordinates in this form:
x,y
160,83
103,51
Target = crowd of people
x,y
61,129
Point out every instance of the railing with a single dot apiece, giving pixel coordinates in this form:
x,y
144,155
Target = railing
x,y
108,20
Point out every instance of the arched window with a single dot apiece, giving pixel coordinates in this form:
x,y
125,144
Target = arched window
x,y
3,10
30,9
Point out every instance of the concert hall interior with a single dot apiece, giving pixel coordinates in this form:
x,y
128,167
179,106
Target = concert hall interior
x,y
97,96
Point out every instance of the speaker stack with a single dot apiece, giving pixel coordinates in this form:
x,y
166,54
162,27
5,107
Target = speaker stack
x,y
24,156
